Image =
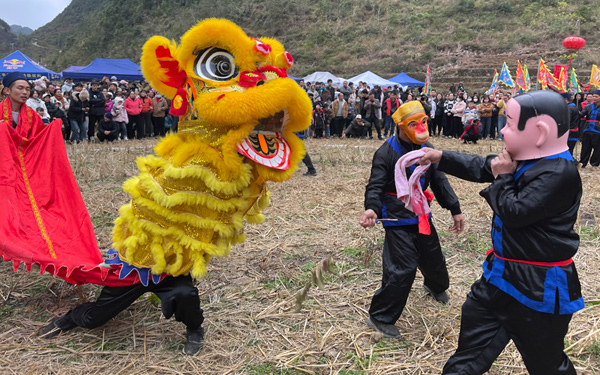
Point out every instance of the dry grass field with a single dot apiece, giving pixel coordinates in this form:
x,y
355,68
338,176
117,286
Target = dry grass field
x,y
249,299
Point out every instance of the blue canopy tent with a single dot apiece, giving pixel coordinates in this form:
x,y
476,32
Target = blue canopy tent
x,y
295,78
73,68
19,62
404,80
99,68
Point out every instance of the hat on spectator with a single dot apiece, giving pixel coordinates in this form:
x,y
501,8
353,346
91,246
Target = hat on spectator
x,y
123,82
358,117
566,95
108,115
78,84
597,92
113,78
10,78
45,95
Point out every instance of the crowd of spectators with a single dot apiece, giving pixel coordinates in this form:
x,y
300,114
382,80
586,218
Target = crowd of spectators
x,y
350,111
105,110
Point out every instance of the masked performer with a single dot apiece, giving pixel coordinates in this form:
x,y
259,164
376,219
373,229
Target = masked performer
x,y
238,117
406,246
529,289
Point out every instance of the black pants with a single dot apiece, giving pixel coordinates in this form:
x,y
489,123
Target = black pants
x,y
92,125
308,163
158,123
590,141
337,126
144,126
447,125
436,125
405,250
491,318
375,121
103,137
494,126
456,127
133,126
178,296
572,145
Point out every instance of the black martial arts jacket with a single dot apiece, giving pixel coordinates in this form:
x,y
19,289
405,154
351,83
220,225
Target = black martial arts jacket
x,y
532,231
380,193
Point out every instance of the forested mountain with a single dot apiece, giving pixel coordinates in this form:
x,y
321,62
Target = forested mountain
x,y
460,39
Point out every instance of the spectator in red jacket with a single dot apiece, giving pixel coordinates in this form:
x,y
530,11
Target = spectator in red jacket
x,y
145,125
133,106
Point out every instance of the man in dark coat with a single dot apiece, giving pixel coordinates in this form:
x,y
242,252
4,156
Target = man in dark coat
x,y
108,130
96,113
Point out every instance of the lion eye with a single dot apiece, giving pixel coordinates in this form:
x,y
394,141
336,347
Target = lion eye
x,y
215,64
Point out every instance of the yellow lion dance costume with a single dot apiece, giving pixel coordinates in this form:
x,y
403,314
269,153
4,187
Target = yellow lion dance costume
x,y
238,115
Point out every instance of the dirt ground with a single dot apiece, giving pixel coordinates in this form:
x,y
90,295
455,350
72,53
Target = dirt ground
x,y
249,298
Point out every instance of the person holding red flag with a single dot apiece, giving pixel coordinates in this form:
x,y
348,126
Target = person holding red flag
x,y
13,109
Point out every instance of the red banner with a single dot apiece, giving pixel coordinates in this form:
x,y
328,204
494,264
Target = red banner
x,y
43,219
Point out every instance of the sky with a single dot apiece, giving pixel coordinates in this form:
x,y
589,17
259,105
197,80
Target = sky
x,y
31,13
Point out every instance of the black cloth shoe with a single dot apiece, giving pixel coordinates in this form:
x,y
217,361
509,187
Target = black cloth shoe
x,y
310,173
194,340
388,330
441,297
56,327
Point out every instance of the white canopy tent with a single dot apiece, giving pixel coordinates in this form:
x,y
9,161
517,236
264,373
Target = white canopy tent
x,y
323,77
371,79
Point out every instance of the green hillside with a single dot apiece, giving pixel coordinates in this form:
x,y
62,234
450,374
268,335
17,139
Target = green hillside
x,y
460,39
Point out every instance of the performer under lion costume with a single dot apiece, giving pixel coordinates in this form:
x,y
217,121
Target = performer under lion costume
x,y
238,117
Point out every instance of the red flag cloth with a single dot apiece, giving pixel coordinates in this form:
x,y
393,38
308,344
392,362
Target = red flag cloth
x,y
43,219
557,70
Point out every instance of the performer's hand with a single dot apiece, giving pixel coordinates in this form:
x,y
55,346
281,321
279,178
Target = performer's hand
x,y
367,219
431,155
459,223
502,164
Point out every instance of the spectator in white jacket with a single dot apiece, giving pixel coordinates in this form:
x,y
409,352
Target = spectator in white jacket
x,y
34,102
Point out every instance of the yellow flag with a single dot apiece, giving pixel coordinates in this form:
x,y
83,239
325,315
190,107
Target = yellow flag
x,y
595,76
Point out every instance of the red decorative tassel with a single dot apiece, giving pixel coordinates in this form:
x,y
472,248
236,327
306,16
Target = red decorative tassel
x,y
179,103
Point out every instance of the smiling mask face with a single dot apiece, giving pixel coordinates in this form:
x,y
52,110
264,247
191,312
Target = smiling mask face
x,y
412,119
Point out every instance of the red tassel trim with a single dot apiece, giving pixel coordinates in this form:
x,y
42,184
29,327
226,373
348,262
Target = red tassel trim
x,y
179,103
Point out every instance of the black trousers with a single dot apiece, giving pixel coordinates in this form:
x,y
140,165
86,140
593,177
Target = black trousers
x,y
375,121
158,123
133,126
178,297
491,318
590,141
405,250
92,125
103,137
144,125
337,126
308,162
572,145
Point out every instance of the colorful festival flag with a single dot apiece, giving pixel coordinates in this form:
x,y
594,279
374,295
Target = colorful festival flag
x,y
595,76
494,85
505,76
428,82
527,79
542,77
562,80
520,77
573,82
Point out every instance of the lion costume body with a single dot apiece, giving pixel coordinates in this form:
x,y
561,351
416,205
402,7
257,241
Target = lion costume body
x,y
239,112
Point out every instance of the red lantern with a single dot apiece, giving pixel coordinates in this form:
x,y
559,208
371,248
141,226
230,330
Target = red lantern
x,y
573,43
